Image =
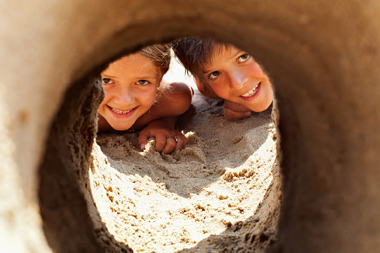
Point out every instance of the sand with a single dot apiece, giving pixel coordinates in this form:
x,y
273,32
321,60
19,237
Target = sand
x,y
221,193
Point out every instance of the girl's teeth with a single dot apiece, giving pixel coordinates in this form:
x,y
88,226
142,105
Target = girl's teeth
x,y
251,92
121,112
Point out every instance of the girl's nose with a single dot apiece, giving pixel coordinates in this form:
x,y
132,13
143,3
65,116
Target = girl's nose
x,y
238,79
125,95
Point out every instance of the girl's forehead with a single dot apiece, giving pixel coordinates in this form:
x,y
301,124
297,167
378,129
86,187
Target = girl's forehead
x,y
133,63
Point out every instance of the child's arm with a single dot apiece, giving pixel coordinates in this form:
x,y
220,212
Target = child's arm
x,y
234,111
160,120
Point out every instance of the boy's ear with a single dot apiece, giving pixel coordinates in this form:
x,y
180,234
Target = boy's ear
x,y
199,85
206,91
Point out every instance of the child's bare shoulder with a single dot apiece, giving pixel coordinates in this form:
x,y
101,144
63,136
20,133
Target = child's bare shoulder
x,y
176,94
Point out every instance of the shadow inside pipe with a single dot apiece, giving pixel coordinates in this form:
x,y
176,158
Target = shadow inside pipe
x,y
65,202
227,168
89,202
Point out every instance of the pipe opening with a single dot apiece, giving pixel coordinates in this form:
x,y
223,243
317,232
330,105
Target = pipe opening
x,y
221,191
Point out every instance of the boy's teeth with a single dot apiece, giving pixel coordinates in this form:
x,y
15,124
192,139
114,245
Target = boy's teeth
x,y
251,92
120,112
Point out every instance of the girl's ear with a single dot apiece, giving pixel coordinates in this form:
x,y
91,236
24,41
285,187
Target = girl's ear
x,y
206,91
160,80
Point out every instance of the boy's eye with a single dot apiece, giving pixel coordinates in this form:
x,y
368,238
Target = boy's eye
x,y
107,81
244,57
214,74
142,82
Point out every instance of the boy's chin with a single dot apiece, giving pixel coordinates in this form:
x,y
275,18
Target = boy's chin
x,y
261,107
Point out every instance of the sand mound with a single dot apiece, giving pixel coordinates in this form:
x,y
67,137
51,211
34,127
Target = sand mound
x,y
221,192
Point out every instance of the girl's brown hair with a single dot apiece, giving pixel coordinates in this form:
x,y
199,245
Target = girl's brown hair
x,y
159,54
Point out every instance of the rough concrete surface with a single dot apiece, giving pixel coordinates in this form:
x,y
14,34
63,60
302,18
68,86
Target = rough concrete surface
x,y
323,57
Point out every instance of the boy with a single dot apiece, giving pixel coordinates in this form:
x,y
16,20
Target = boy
x,y
224,71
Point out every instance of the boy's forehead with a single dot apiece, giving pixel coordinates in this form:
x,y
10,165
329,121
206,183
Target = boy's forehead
x,y
220,54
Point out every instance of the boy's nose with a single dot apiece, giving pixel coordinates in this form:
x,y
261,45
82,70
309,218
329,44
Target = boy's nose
x,y
238,79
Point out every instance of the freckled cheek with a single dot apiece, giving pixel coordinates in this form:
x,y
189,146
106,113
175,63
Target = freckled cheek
x,y
147,98
106,98
256,70
221,90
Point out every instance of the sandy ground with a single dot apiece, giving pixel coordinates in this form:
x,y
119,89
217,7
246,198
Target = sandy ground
x,y
221,193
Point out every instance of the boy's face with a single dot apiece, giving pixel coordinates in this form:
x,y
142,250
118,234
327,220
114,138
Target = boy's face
x,y
130,84
235,76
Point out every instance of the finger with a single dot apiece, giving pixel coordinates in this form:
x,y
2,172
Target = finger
x,y
143,138
233,115
160,142
185,140
170,145
234,106
180,142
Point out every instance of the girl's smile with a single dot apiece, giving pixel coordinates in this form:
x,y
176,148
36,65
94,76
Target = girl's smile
x,y
130,84
121,113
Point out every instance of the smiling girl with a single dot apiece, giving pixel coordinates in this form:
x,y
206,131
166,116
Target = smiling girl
x,y
137,99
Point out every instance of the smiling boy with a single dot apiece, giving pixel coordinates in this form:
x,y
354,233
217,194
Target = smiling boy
x,y
224,71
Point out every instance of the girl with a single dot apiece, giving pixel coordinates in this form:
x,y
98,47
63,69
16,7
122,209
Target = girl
x,y
137,99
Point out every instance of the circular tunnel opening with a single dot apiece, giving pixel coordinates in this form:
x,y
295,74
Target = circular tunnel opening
x,y
315,61
221,192
68,203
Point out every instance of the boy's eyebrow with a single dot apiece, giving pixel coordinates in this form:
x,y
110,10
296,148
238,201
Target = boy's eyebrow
x,y
206,71
232,57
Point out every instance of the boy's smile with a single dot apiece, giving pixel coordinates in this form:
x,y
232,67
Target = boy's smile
x,y
130,84
252,92
235,76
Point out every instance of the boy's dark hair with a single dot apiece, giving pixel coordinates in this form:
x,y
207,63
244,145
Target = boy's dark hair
x,y
195,53
159,54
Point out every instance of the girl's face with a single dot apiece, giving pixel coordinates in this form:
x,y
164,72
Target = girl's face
x,y
130,84
235,76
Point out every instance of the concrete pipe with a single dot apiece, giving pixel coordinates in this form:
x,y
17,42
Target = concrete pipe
x,y
322,56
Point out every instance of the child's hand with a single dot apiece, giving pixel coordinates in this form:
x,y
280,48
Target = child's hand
x,y
234,111
167,138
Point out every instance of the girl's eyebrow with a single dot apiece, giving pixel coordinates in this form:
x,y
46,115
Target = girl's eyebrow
x,y
146,77
109,76
137,77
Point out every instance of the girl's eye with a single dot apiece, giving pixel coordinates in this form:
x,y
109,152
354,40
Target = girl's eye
x,y
244,57
142,82
107,81
214,74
